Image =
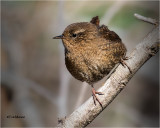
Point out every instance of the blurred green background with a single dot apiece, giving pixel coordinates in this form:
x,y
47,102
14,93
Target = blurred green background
x,y
34,79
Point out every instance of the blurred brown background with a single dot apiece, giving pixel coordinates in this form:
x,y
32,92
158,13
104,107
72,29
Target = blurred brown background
x,y
34,79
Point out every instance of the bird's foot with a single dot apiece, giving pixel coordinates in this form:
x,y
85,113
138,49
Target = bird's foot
x,y
124,63
95,97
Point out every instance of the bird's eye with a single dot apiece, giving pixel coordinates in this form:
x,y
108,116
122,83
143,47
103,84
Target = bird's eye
x,y
74,35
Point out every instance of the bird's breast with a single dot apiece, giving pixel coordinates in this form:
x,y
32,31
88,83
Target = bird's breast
x,y
89,65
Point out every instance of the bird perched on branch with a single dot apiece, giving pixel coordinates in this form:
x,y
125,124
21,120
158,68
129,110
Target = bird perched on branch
x,y
91,51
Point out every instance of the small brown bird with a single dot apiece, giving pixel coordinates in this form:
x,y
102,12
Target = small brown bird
x,y
91,51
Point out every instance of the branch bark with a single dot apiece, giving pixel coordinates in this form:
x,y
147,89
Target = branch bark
x,y
146,19
87,112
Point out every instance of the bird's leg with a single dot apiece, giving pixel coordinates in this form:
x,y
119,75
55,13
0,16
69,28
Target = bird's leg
x,y
94,92
124,63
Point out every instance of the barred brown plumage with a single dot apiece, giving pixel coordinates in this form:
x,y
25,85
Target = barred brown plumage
x,y
91,51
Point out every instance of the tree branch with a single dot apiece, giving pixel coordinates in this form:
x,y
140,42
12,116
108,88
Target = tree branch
x,y
87,112
146,19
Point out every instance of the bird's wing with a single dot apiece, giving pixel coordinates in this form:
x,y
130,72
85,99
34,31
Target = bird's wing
x,y
108,35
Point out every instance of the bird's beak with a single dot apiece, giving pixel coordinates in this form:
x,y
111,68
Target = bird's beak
x,y
58,37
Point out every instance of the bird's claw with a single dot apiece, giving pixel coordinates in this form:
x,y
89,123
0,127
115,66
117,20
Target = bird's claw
x,y
125,64
94,92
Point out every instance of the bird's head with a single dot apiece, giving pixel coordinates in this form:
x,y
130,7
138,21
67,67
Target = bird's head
x,y
78,34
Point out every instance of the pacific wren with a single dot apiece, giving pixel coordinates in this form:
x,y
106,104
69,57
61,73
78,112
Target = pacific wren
x,y
91,51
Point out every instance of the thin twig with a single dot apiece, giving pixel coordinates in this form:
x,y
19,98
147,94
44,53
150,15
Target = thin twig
x,y
81,95
146,19
64,75
87,112
112,11
9,78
